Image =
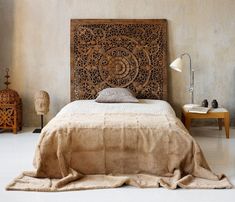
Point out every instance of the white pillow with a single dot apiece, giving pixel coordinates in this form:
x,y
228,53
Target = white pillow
x,y
116,95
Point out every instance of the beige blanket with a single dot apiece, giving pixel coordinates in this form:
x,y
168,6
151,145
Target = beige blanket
x,y
87,151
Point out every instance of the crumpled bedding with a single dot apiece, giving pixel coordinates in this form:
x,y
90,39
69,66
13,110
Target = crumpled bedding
x,y
90,145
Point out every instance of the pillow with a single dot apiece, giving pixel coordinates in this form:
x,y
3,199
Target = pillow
x,y
116,95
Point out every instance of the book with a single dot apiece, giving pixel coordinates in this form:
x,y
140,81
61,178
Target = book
x,y
199,110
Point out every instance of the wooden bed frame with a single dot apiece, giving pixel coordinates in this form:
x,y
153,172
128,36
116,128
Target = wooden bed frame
x,y
119,53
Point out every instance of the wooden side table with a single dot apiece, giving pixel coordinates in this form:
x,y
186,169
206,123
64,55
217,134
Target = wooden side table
x,y
221,114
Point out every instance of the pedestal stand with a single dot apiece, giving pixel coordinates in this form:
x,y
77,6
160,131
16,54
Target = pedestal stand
x,y
38,130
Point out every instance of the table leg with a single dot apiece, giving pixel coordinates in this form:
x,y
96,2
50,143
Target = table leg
x,y
183,118
14,130
187,122
226,123
220,123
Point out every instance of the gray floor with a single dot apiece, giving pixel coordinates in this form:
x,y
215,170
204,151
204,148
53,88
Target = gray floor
x,y
16,154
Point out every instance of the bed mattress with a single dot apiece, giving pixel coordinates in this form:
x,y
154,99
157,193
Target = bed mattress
x,y
144,106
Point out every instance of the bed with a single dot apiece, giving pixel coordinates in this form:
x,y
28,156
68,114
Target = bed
x,y
90,145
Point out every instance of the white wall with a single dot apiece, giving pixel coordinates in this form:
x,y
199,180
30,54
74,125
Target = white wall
x,y
35,43
6,33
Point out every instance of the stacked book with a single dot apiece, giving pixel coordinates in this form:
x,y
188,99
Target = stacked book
x,y
199,110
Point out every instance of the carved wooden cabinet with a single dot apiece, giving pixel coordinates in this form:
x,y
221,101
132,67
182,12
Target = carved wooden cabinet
x,y
10,110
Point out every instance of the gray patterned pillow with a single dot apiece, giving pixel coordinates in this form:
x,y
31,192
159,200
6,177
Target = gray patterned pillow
x,y
116,95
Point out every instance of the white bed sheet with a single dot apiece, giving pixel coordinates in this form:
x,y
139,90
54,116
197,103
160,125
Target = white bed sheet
x,y
144,106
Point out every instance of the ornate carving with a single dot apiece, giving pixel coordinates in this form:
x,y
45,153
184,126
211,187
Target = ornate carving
x,y
7,116
10,108
118,67
119,53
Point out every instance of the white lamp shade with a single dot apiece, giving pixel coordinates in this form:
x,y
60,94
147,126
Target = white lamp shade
x,y
177,64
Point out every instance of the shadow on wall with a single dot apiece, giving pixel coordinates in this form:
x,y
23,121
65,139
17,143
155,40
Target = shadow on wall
x,y
6,37
176,105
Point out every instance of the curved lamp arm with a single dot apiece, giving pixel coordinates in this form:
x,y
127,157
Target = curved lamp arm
x,y
191,88
177,65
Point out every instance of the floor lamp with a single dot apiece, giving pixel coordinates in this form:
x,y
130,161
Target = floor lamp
x,y
177,65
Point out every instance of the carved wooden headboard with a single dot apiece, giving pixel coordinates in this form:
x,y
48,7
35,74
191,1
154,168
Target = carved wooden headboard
x,y
119,53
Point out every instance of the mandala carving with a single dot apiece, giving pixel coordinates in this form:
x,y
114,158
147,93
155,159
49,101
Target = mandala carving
x,y
119,53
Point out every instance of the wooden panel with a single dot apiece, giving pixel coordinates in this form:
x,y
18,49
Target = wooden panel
x,y
119,53
11,116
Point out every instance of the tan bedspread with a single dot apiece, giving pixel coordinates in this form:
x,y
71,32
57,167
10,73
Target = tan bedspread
x,y
87,151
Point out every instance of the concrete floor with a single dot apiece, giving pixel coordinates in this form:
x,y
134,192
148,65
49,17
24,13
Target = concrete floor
x,y
16,154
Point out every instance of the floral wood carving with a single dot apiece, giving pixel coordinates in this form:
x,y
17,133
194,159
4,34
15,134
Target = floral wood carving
x,y
119,53
7,117
10,108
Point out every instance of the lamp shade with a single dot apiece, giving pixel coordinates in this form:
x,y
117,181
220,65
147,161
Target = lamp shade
x,y
177,64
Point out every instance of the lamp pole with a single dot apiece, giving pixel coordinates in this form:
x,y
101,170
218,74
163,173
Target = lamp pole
x,y
191,88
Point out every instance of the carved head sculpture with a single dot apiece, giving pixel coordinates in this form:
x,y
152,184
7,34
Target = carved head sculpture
x,y
42,102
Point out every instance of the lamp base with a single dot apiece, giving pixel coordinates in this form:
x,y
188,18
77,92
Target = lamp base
x,y
37,130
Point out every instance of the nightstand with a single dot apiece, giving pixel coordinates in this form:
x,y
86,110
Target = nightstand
x,y
221,114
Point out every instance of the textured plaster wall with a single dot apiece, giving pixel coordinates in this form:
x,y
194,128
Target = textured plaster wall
x,y
6,34
35,44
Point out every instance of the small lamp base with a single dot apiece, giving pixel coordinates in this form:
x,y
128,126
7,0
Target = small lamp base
x,y
37,130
